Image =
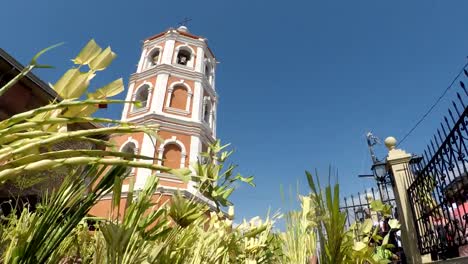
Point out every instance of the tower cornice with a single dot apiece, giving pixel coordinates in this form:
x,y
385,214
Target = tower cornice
x,y
178,71
178,36
175,124
174,35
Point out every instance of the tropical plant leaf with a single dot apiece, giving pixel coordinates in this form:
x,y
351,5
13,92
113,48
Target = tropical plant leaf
x,y
88,53
103,60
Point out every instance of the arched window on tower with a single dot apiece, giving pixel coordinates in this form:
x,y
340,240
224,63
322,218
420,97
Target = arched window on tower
x,y
207,112
130,148
172,156
184,56
179,97
154,57
207,71
142,95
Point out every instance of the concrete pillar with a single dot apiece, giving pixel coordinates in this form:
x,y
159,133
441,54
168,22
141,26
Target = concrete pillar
x,y
398,163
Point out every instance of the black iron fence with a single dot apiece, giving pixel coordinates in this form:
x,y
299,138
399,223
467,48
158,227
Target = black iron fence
x,y
438,186
358,207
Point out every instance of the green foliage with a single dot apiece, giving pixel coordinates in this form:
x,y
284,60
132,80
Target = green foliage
x,y
216,181
299,239
334,240
32,65
361,243
28,146
28,139
35,236
139,229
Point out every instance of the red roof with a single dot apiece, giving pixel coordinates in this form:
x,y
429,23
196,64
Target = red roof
x,y
155,36
181,33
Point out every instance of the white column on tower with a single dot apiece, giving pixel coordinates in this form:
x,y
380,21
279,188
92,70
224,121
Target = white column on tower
x,y
214,117
197,102
127,98
142,60
159,93
168,51
147,149
199,65
195,149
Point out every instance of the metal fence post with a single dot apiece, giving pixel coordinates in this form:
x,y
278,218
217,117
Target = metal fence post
x,y
398,163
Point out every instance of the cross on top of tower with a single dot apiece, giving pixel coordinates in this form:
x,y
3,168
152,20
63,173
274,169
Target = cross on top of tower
x,y
184,22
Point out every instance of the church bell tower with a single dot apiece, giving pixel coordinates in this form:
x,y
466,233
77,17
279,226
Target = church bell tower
x,y
175,81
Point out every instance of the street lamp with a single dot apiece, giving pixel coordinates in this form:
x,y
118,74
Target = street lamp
x,y
380,170
380,174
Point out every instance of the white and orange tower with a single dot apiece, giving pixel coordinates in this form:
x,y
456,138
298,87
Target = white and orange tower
x,y
175,81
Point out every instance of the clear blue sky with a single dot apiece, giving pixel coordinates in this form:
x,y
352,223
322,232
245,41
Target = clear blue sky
x,y
300,82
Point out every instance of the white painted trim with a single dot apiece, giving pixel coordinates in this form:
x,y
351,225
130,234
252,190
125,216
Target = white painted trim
x,y
159,93
195,149
192,55
163,190
207,64
175,71
134,95
147,59
127,105
168,51
173,125
148,44
185,45
211,61
142,58
214,118
125,188
207,103
130,140
199,63
164,114
189,94
168,177
174,35
137,111
173,140
197,102
148,147
177,124
136,150
177,111
208,54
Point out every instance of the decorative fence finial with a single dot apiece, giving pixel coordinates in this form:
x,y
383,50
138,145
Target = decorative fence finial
x,y
390,143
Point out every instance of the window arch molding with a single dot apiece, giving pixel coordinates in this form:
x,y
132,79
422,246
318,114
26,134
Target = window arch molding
x,y
209,70
135,146
172,140
207,110
170,91
149,63
145,85
187,48
130,140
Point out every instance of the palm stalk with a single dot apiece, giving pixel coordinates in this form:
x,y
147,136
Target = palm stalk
x,y
299,239
333,236
66,208
62,105
139,228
